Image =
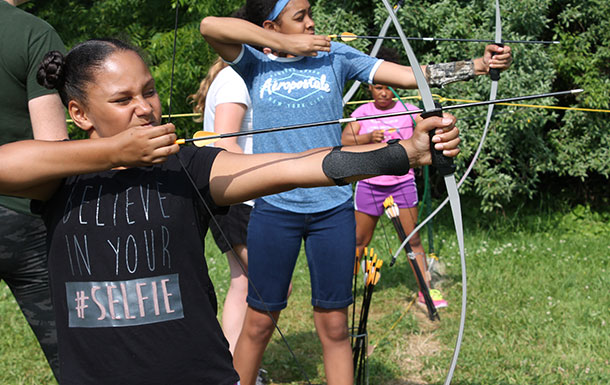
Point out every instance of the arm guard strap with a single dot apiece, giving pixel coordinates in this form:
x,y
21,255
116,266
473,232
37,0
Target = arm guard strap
x,y
438,75
389,160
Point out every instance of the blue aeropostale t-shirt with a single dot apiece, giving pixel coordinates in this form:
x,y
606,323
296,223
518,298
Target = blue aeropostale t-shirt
x,y
288,91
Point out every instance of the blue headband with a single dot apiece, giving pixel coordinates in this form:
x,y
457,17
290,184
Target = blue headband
x,y
279,7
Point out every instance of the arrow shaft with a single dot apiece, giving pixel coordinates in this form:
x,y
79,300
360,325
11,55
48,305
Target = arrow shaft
x,y
446,39
380,116
483,40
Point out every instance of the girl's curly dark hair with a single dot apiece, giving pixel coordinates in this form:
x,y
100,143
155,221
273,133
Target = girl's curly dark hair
x,y
258,10
71,73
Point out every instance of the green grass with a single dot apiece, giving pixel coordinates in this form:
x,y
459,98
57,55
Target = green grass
x,y
538,309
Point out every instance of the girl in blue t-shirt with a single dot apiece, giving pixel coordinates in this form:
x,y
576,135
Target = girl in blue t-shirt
x,y
302,81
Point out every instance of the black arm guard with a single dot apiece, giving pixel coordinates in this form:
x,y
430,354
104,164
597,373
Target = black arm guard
x,y
389,160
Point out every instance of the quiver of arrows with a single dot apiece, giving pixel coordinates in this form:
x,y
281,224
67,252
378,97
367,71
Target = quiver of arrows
x,y
371,268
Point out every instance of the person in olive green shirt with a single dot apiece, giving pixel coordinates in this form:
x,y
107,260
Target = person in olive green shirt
x,y
28,111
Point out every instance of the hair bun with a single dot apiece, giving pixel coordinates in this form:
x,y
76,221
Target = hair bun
x,y
50,73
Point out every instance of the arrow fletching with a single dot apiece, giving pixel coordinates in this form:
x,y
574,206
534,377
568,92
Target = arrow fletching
x,y
201,135
347,36
350,36
377,272
357,263
201,138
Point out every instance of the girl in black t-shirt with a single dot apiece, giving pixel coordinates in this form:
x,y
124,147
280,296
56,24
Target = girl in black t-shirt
x,y
126,227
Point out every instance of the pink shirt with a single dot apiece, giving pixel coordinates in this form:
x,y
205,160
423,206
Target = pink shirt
x,y
396,127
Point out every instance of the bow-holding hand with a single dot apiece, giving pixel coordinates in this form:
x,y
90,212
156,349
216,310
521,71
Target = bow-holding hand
x,y
495,56
446,139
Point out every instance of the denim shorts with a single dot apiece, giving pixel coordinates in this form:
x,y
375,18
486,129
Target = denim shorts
x,y
369,197
274,242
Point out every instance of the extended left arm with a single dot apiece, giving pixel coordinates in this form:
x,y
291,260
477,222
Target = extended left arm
x,y
396,75
236,178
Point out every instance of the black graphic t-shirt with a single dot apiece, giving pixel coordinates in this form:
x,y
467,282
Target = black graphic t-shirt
x,y
130,284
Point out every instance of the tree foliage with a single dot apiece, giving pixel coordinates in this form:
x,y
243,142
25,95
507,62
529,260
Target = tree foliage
x,y
150,26
580,144
525,148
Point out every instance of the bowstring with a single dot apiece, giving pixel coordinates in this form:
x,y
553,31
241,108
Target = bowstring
x,y
372,193
385,234
357,256
380,220
215,221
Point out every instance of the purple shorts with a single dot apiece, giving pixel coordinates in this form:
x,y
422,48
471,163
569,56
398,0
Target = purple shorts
x,y
369,198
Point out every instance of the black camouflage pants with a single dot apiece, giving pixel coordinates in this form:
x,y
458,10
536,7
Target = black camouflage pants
x,y
23,266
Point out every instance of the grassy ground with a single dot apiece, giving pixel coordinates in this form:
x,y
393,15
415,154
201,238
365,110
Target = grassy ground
x,y
538,310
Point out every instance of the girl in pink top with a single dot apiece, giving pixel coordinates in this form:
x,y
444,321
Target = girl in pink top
x,y
370,193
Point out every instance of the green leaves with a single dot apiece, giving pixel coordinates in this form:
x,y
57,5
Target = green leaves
x,y
524,144
150,26
581,141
